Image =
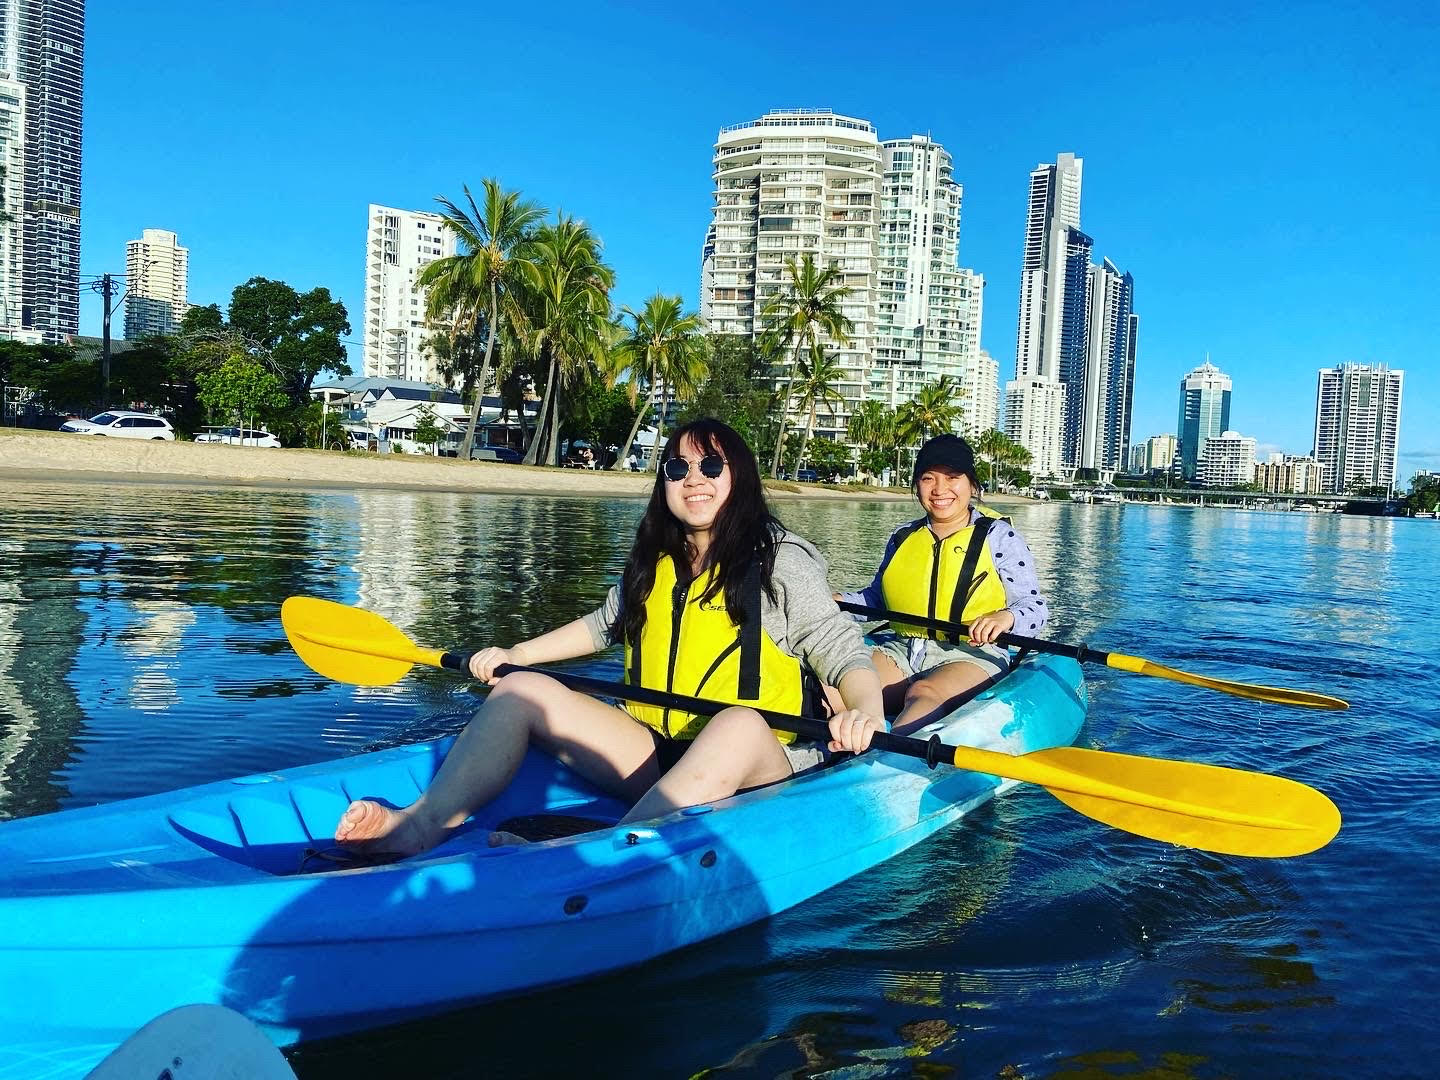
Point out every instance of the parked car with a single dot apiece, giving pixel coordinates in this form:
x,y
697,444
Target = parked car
x,y
806,476
234,436
123,425
495,453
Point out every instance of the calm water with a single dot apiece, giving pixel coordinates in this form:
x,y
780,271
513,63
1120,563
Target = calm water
x,y
140,650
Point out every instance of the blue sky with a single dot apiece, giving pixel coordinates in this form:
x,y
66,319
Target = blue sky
x,y
1268,172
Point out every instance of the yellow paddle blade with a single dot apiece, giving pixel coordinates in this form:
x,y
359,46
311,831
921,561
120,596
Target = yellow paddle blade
x,y
348,644
1279,695
1231,811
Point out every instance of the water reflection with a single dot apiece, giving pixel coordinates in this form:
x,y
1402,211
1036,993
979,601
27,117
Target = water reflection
x,y
140,650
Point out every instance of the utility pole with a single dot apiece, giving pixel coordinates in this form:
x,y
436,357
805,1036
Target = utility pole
x,y
107,285
107,290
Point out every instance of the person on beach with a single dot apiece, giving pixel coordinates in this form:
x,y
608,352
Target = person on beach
x,y
756,623
958,563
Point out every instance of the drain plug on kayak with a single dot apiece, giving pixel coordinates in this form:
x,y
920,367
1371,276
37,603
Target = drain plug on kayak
x,y
576,904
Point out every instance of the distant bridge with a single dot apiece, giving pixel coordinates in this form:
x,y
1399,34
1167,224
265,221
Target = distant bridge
x,y
1225,497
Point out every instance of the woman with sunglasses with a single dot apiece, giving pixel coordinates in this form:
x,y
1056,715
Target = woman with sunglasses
x,y
716,600
959,563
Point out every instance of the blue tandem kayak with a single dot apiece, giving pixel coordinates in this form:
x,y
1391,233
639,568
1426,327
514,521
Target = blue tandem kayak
x,y
216,894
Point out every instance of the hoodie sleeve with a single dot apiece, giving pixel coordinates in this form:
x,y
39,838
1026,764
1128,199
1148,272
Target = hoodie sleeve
x,y
599,621
805,621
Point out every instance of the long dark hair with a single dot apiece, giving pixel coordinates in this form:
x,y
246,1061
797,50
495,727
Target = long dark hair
x,y
744,531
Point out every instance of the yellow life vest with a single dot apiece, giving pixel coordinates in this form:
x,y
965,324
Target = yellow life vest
x,y
953,579
694,648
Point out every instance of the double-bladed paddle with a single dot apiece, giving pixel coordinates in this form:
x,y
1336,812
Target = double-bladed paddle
x,y
1201,806
1279,695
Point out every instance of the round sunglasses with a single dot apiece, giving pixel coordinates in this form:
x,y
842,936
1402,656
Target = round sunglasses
x,y
711,465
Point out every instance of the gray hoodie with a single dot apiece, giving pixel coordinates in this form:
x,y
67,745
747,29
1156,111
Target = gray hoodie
x,y
803,619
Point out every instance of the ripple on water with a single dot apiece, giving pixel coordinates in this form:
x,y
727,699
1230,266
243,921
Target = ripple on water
x,y
140,650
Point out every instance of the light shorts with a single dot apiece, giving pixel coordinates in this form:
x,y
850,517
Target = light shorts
x,y
915,656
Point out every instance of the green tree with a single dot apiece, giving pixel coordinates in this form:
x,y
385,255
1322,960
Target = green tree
x,y
300,332
241,389
874,426
480,284
597,412
809,304
428,430
830,457
730,391
815,384
198,319
564,321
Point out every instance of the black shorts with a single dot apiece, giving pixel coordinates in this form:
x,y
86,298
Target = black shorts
x,y
668,751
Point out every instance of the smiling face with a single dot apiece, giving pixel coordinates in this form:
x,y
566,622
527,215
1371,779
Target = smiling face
x,y
696,500
945,495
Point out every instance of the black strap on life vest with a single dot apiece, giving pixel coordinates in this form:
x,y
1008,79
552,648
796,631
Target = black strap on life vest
x,y
966,584
748,688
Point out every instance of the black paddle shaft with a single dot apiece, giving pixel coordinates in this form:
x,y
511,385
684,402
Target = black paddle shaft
x,y
1083,653
932,751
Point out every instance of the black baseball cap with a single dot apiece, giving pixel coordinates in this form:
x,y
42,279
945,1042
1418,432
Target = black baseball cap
x,y
947,452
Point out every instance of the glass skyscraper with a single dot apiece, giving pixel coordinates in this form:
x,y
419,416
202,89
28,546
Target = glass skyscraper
x,y
1204,413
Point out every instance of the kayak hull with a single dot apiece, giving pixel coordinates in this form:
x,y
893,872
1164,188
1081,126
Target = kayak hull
x,y
115,913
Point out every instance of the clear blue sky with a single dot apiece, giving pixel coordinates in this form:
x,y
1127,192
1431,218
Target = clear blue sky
x,y
1269,172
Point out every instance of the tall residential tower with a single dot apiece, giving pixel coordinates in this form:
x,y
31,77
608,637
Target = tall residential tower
x,y
1035,406
1107,391
157,269
398,244
1357,425
791,183
929,309
42,53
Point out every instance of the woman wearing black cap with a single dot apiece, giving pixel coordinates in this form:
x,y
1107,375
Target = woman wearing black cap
x,y
957,563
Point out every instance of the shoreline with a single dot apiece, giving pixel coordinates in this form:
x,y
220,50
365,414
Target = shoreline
x,y
33,456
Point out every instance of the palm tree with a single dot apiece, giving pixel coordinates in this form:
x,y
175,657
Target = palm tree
x,y
663,348
816,384
993,446
873,425
565,320
807,306
1016,455
481,281
934,409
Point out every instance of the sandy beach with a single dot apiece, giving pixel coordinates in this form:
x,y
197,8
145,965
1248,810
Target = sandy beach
x,y
48,455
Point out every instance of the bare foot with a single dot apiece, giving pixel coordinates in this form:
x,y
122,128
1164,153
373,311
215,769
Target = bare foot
x,y
371,828
502,839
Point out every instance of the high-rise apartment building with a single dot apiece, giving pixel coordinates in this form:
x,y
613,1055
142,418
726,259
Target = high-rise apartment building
x,y
398,245
1357,425
1156,452
157,271
1226,460
1107,387
1204,413
1291,476
1052,280
42,63
12,182
929,309
792,183
982,396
